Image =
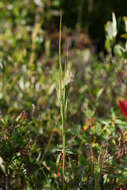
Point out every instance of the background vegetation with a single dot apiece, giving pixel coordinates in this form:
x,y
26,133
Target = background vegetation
x,y
94,47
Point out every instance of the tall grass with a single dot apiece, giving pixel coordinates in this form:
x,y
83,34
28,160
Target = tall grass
x,y
62,98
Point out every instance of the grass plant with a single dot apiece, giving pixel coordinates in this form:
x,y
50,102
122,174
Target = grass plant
x,y
62,98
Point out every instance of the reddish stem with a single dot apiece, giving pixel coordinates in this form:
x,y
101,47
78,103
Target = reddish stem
x,y
63,156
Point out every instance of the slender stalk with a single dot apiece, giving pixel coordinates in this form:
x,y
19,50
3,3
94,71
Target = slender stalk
x,y
60,64
63,150
62,102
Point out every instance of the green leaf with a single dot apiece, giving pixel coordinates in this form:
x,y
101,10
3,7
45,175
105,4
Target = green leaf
x,y
119,50
125,21
2,66
124,36
99,93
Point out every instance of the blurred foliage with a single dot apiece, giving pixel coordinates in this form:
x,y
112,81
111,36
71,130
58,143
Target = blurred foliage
x,y
96,134
91,14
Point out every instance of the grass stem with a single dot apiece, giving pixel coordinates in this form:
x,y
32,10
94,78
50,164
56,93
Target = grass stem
x,y
61,92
